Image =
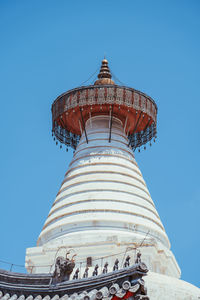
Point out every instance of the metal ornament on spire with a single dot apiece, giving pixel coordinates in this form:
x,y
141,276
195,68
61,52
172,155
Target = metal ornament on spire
x,y
136,110
104,74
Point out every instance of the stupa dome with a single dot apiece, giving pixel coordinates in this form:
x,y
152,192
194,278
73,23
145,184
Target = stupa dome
x,y
103,210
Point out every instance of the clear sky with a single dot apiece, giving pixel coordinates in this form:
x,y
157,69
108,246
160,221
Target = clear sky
x,y
48,47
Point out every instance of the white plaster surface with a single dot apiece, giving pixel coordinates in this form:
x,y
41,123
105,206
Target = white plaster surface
x,y
102,186
104,208
168,288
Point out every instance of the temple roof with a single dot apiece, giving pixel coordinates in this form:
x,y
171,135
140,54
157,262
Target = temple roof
x,y
123,283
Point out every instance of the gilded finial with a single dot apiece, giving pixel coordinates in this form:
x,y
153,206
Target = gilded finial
x,y
104,76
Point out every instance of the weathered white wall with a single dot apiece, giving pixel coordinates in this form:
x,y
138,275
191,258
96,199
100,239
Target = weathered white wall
x,y
102,208
169,288
103,189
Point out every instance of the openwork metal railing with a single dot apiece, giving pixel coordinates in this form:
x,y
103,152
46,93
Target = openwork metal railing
x,y
101,262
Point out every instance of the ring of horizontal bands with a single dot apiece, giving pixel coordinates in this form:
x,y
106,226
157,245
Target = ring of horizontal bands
x,y
104,146
153,233
101,155
98,180
105,190
101,200
104,164
101,172
85,211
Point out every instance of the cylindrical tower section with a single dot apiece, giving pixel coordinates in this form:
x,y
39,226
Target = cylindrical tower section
x,y
103,190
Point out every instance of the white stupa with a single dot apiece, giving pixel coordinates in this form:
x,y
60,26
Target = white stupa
x,y
103,209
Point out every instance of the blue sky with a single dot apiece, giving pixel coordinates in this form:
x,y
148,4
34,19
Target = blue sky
x,y
48,47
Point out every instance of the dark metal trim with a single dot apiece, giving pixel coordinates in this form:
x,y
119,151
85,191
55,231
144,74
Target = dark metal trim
x,y
111,117
83,123
136,125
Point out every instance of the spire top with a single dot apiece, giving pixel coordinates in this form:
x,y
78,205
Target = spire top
x,y
104,76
